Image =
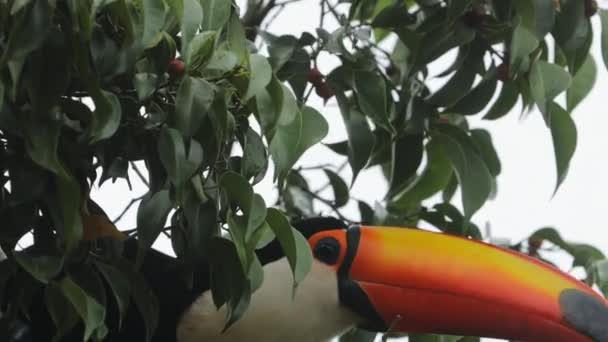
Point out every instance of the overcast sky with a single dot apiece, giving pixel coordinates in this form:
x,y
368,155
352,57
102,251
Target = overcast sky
x,y
524,202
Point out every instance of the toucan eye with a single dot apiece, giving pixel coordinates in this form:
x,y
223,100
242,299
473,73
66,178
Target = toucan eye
x,y
327,250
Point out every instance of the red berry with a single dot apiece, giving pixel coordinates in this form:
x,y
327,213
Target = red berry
x,y
314,76
590,8
534,244
324,90
503,71
176,67
443,119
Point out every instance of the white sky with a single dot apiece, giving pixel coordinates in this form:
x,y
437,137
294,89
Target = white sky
x,y
524,202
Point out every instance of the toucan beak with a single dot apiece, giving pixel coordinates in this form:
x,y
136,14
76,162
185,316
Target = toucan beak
x,y
424,282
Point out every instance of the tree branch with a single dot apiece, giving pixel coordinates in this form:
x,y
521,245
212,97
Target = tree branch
x,y
126,209
140,174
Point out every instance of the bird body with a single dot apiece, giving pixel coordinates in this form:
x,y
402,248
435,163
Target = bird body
x,y
276,313
375,278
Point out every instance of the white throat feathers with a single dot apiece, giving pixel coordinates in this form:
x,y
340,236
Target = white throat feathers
x,y
274,315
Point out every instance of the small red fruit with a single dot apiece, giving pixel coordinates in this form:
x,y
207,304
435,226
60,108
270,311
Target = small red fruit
x,y
503,71
590,8
314,76
534,244
324,90
176,67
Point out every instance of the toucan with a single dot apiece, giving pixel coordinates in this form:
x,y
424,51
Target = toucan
x,y
381,278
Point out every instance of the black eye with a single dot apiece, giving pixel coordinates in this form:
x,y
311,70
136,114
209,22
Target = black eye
x,y
327,250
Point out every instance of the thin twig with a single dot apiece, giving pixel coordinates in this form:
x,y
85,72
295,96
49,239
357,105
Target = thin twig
x,y
329,204
323,12
126,209
340,168
315,167
140,174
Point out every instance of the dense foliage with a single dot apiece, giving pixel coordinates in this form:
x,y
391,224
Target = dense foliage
x,y
89,87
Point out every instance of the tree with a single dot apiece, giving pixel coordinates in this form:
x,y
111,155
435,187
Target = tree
x,y
88,88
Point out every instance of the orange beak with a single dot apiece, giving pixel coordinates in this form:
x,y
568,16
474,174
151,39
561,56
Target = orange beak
x,y
423,282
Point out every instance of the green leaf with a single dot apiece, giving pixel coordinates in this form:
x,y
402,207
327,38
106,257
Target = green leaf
x,y
201,216
229,283
191,21
522,45
546,82
255,159
70,202
29,31
222,62
545,12
236,39
582,83
263,236
314,129
340,148
256,274
291,140
215,13
407,152
260,75
281,50
62,312
477,99
172,154
573,33
366,212
456,87
120,285
394,16
604,17
106,117
145,85
472,173
18,5
44,268
289,105
200,51
292,242
584,255
271,106
483,142
240,192
82,20
237,227
448,219
295,72
154,19
435,177
457,7
360,137
90,311
563,132
42,140
505,102
151,218
334,42
143,297
526,13
371,95
194,99
339,188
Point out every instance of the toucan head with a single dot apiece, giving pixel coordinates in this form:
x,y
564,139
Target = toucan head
x,y
415,281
